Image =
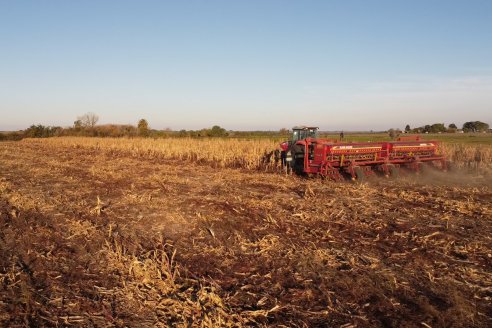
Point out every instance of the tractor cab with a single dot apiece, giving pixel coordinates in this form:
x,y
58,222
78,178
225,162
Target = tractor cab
x,y
299,133
303,132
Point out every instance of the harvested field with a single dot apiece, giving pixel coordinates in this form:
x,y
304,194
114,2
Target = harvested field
x,y
101,236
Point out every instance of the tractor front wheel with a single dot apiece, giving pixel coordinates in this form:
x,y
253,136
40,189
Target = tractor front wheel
x,y
297,159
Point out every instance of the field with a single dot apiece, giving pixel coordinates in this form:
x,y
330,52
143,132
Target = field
x,y
186,232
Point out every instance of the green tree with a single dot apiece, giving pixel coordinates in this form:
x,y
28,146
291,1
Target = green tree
x,y
41,131
217,131
475,126
452,128
437,127
143,128
407,128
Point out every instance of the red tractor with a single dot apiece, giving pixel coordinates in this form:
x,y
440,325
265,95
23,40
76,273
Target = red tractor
x,y
306,153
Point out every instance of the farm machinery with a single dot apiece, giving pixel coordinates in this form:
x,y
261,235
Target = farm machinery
x,y
308,154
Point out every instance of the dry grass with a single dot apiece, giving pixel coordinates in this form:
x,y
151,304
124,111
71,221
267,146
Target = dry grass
x,y
99,237
471,156
233,153
219,153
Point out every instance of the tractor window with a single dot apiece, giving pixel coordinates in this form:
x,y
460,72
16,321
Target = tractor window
x,y
296,135
313,133
303,134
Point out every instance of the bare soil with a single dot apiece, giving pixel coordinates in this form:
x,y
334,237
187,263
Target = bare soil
x,y
95,239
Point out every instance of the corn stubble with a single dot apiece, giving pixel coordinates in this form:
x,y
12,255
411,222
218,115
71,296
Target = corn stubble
x,y
219,153
113,232
235,153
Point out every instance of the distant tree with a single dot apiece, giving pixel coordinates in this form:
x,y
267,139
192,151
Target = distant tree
x,y
56,131
393,133
216,131
129,130
34,131
476,126
88,120
143,128
407,128
41,131
77,124
437,128
452,128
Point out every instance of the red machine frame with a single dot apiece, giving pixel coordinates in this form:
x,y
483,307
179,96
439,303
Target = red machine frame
x,y
332,159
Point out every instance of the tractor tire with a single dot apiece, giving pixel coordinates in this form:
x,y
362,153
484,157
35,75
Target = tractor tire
x,y
297,159
298,166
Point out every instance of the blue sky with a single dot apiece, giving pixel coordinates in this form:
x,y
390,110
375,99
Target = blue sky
x,y
246,65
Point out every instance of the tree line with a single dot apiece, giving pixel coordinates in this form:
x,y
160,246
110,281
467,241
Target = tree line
x,y
86,125
472,126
